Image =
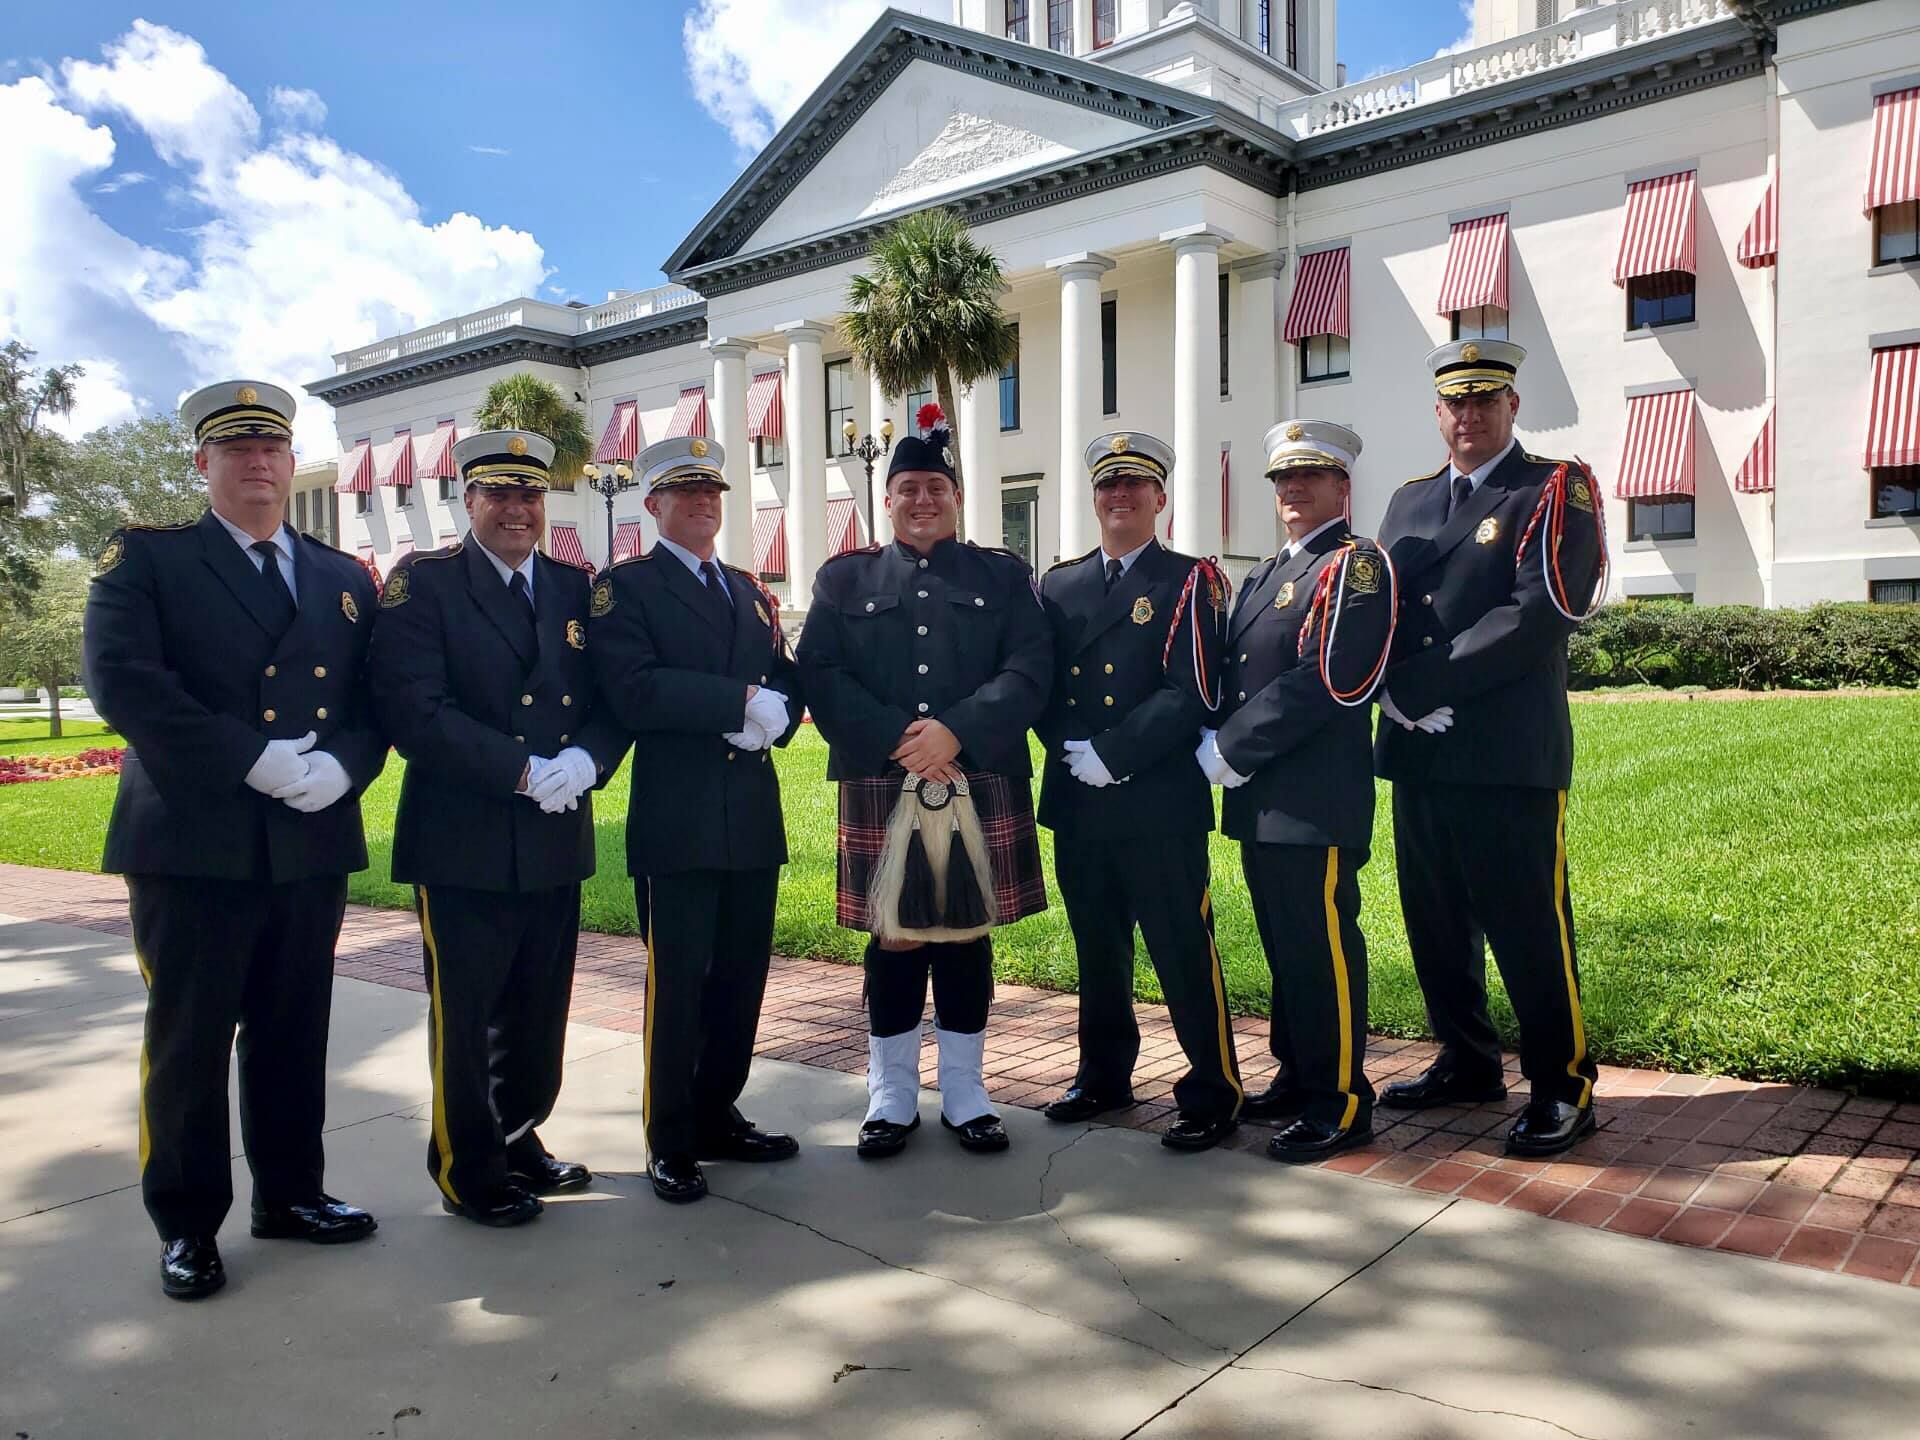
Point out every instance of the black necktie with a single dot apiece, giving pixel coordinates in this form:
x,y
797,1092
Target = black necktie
x,y
719,602
518,586
1114,572
276,601
523,605
1462,492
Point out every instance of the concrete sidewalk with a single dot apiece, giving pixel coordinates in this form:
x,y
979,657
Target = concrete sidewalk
x,y
1087,1284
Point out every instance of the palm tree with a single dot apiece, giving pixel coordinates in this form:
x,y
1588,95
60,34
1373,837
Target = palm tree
x,y
929,305
526,402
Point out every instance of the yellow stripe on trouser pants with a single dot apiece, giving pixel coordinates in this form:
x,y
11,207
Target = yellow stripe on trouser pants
x,y
1574,1015
1220,1003
437,1055
646,1039
1343,998
146,1067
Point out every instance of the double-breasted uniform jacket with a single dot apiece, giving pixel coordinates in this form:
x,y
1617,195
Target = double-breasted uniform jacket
x,y
1125,679
957,635
180,662
468,699
1481,632
677,680
1308,757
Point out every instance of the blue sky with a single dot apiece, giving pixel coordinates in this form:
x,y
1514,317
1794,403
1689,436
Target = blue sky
x,y
404,161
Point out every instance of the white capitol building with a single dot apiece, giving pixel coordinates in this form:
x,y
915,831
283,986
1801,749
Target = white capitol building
x,y
1699,216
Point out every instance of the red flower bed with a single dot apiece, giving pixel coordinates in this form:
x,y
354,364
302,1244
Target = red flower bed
x,y
20,769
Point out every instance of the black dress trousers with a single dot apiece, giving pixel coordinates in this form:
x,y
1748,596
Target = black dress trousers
x,y
220,956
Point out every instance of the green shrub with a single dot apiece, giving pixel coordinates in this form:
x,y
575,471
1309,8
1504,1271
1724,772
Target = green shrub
x,y
1742,647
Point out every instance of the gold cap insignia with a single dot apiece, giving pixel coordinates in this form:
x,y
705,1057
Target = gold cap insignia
x,y
1294,432
576,635
1142,611
247,395
1488,532
1363,575
349,609
1285,597
698,449
1120,444
602,602
516,446
1470,354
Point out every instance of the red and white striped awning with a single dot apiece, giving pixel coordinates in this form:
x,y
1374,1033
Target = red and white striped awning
x,y
1658,235
770,540
766,412
563,544
433,454
843,525
1894,173
356,473
690,415
1756,471
1319,304
395,465
1893,424
1658,458
1760,246
1476,265
626,540
621,441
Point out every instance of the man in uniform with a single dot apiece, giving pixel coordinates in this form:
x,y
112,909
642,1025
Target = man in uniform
x,y
231,653
690,656
1136,642
482,678
1305,650
1499,555
925,662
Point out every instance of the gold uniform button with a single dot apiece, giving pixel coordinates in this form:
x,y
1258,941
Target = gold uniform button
x,y
272,670
565,738
1109,699
321,713
1426,640
1075,670
1426,599
566,699
731,754
1109,669
319,672
268,716
526,699
1243,657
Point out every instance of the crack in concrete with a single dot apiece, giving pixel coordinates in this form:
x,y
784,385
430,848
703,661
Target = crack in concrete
x,y
1416,1395
882,1261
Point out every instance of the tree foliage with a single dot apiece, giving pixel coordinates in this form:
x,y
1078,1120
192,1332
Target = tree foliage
x,y
526,402
28,397
139,471
40,635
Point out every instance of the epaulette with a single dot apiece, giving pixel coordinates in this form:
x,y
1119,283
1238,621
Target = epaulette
x,y
445,552
633,559
1533,459
1012,555
862,550
1071,560
175,525
323,544
1418,478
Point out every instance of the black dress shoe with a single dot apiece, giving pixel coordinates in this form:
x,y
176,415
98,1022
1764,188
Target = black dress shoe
x,y
1306,1140
981,1135
881,1138
544,1175
503,1208
1192,1132
190,1268
677,1178
1546,1127
1276,1102
1440,1085
1080,1104
748,1144
324,1221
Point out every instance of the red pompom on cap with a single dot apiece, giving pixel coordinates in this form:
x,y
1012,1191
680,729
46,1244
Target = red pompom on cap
x,y
928,418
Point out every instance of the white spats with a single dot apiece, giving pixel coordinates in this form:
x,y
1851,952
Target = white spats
x,y
893,1076
963,1094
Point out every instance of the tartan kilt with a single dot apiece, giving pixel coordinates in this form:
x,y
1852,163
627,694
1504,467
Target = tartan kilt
x,y
1005,808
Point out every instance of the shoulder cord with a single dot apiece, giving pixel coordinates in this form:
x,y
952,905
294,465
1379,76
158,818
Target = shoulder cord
x,y
1323,615
1553,508
1210,691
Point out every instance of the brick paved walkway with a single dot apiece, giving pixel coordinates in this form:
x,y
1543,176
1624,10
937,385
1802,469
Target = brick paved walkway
x,y
1810,1177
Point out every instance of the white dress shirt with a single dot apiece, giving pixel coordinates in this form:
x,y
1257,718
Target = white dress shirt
x,y
1126,560
505,571
1480,472
1294,547
282,544
693,562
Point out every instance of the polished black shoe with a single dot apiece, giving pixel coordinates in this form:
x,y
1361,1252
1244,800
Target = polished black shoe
x,y
1276,1102
544,1175
190,1268
1546,1127
503,1208
749,1144
324,1221
1080,1104
881,1138
981,1135
1192,1132
1307,1140
1440,1085
677,1178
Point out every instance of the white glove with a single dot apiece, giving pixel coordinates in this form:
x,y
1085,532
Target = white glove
x,y
768,709
563,780
1218,771
325,782
750,738
1437,721
1392,712
280,764
1087,766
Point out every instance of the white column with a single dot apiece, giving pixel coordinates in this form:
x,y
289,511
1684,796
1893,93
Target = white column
x,y
1079,391
729,411
1196,390
806,417
980,460
878,410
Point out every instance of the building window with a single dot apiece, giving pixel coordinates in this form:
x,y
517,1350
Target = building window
x,y
326,516
1674,597
402,496
1893,592
1263,25
1293,34
769,452
1668,518
1019,514
1017,20
1325,357
361,501
1060,26
1482,322
1543,13
1896,491
1657,300
1105,22
921,394
839,406
1896,232
1010,388
1224,337
1109,357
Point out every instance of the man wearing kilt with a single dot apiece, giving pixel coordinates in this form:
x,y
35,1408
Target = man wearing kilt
x,y
1305,650
924,662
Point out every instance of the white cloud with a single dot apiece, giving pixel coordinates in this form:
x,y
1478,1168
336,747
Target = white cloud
x,y
1466,41
161,80
297,109
100,397
488,150
126,179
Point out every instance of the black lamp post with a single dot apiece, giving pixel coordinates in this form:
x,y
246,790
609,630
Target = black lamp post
x,y
607,484
867,450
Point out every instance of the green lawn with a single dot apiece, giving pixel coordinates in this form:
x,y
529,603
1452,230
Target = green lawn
x,y
28,736
1743,875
